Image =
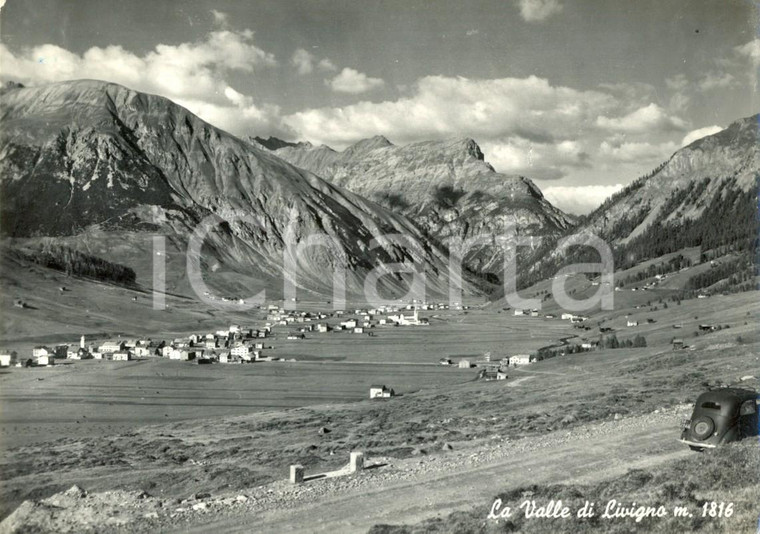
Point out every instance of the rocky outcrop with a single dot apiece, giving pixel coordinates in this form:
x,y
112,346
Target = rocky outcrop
x,y
446,187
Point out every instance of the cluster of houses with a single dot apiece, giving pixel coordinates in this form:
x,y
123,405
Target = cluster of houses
x,y
360,322
234,344
492,370
519,312
231,345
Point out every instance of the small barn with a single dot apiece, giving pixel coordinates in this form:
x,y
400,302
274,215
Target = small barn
x,y
7,359
380,392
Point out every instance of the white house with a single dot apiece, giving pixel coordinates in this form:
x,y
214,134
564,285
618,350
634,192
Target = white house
x,y
77,353
322,328
6,360
40,351
359,330
121,356
109,347
241,351
349,324
142,352
45,359
380,392
226,357
633,323
519,359
166,351
412,320
566,316
465,364
518,311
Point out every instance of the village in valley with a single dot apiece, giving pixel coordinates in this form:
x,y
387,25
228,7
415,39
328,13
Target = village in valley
x,y
241,344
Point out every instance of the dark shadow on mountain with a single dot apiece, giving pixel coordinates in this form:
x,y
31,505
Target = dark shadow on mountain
x,y
447,196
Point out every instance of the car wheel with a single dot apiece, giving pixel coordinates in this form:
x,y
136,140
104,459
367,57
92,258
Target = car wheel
x,y
702,427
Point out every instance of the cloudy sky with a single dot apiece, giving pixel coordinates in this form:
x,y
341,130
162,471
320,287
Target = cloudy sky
x,y
582,96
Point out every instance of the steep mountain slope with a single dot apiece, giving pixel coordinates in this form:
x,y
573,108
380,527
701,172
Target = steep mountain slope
x,y
704,196
447,187
86,158
684,187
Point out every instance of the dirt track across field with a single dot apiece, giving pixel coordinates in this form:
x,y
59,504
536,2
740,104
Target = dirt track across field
x,y
419,488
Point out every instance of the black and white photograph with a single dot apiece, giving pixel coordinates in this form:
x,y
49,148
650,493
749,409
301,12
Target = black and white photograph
x,y
379,266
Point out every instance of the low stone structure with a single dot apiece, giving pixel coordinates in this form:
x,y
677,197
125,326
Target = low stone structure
x,y
296,474
357,461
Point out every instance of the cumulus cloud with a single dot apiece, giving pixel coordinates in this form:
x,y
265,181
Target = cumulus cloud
x,y
750,50
677,82
221,18
647,118
304,62
354,82
543,161
326,65
699,133
524,125
618,151
192,74
716,80
440,106
579,200
538,10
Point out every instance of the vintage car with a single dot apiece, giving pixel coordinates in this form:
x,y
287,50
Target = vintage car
x,y
721,416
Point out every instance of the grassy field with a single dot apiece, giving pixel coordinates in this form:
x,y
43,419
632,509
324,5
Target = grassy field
x,y
97,398
101,397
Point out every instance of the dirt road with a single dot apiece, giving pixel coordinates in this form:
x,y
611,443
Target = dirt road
x,y
418,488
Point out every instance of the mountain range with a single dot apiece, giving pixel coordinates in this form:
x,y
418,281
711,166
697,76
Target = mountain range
x,y
95,165
101,168
446,187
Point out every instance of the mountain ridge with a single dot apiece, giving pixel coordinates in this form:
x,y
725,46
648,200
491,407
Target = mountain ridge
x,y
83,154
446,186
704,195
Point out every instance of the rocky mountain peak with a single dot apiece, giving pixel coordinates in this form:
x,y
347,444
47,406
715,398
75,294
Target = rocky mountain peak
x,y
473,149
365,145
445,185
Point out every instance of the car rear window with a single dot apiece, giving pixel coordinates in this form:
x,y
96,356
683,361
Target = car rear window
x,y
710,405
